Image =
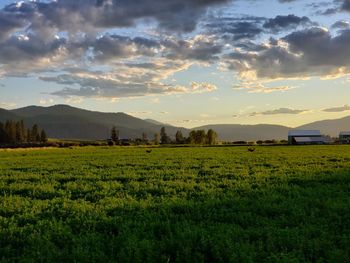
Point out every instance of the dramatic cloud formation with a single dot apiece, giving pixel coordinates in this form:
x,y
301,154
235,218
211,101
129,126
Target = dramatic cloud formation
x,y
121,48
305,53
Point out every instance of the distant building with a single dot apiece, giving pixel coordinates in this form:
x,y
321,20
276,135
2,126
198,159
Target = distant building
x,y
344,137
301,137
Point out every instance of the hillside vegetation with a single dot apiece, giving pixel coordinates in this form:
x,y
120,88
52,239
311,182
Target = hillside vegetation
x,y
66,122
217,204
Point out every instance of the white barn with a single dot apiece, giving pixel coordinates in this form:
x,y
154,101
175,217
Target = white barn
x,y
305,137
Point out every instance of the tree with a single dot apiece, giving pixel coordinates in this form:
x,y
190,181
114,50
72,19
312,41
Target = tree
x,y
197,137
211,137
179,137
43,137
164,138
10,129
156,138
3,135
115,134
29,136
200,137
144,137
19,133
34,134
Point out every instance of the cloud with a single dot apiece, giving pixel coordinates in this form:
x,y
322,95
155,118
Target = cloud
x,y
202,87
301,54
95,85
46,101
236,28
87,15
345,5
280,23
338,109
256,87
94,48
341,24
278,111
8,105
112,47
200,48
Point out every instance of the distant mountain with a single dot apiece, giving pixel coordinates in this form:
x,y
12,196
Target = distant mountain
x,y
66,122
156,122
236,132
329,127
7,115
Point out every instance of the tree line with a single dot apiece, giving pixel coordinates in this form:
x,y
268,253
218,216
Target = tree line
x,y
15,132
199,137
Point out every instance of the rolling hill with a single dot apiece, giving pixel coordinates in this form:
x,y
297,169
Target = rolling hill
x,y
66,122
329,127
235,132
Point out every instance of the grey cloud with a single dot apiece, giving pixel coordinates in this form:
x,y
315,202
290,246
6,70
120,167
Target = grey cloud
x,y
108,88
236,28
338,6
67,15
278,111
111,47
342,24
338,109
104,87
201,49
310,52
26,48
9,23
286,22
345,5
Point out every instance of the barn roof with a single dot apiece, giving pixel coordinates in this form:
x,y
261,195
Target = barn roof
x,y
304,133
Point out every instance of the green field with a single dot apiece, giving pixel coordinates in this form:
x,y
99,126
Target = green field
x,y
204,204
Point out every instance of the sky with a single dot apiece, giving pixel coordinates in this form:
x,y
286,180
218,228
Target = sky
x,y
184,62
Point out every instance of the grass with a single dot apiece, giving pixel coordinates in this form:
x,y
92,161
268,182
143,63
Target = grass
x,y
199,204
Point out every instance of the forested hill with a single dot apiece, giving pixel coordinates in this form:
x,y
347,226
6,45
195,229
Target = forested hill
x,y
66,122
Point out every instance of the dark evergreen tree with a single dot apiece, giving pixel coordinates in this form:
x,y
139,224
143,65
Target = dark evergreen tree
x,y
35,136
19,133
10,129
179,137
29,136
115,134
23,131
3,136
43,137
164,138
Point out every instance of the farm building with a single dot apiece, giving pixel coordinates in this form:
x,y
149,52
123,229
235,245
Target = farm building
x,y
344,137
301,137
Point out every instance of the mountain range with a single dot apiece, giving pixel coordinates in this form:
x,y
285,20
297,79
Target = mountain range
x,y
66,122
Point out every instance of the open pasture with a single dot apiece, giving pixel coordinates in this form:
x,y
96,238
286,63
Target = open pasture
x,y
186,204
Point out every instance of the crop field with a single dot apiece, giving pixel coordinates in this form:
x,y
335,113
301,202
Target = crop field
x,y
185,204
